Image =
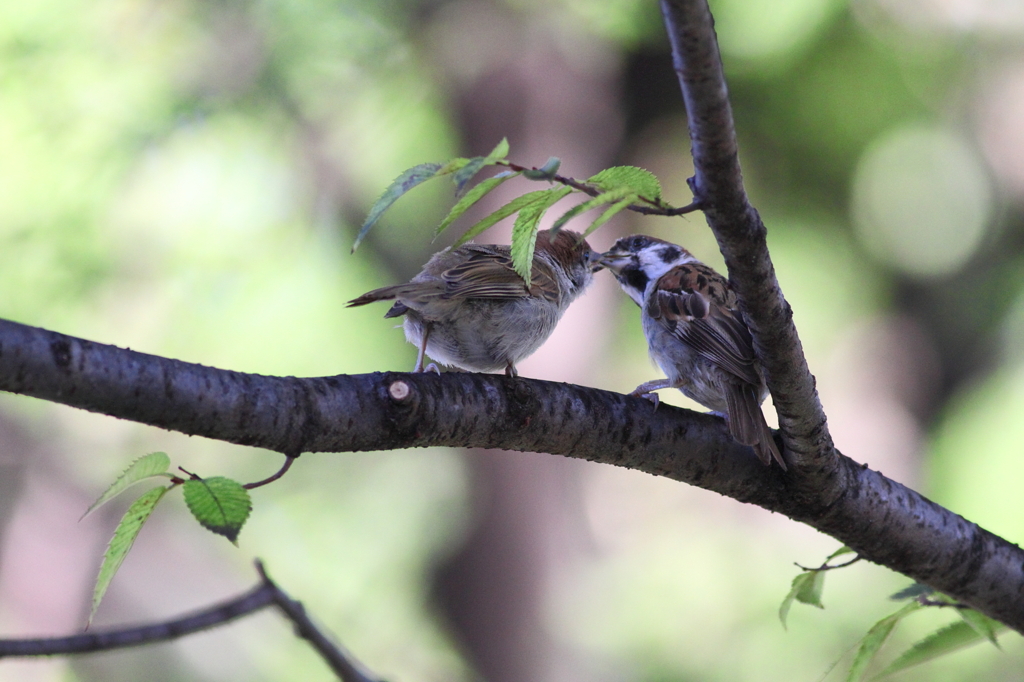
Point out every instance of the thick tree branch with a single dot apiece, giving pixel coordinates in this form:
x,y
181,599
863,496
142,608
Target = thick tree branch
x,y
718,187
259,597
880,519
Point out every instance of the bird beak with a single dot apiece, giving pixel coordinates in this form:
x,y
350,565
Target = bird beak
x,y
614,260
595,262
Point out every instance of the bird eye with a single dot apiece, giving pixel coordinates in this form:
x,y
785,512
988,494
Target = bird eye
x,y
638,242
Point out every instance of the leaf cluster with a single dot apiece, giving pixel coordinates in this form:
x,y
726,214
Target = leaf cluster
x,y
616,189
973,627
219,504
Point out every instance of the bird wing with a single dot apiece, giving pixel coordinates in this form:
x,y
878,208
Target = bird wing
x,y
695,304
489,273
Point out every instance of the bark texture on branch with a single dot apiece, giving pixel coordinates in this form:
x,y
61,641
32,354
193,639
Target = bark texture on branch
x,y
882,520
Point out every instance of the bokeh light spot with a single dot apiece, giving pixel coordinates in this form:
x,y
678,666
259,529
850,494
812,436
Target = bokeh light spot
x,y
757,29
921,200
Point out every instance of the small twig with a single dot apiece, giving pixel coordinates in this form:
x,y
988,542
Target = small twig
x,y
342,663
288,461
653,209
263,595
828,567
255,599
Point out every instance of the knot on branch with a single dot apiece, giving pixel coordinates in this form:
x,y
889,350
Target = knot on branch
x,y
405,399
400,391
60,349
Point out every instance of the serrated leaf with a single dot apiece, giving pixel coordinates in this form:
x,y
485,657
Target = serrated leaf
x,y
641,181
508,209
609,213
787,601
874,640
912,591
402,184
524,231
124,536
462,176
939,643
147,466
810,590
464,170
499,152
524,240
219,504
604,198
983,625
806,588
838,553
545,172
454,165
471,197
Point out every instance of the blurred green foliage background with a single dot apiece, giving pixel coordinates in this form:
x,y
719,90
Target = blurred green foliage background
x,y
185,178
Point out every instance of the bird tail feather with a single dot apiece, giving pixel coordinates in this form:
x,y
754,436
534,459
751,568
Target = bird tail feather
x,y
748,426
382,294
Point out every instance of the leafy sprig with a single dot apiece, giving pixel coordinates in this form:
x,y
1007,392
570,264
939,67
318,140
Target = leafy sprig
x,y
219,504
616,189
973,627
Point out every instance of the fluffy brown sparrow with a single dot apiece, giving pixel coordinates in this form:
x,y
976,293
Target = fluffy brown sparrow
x,y
696,335
470,309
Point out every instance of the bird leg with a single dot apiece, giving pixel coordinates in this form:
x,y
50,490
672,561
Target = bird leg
x,y
510,370
648,388
423,352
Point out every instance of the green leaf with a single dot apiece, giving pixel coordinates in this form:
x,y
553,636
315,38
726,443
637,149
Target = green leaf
x,y
806,588
604,198
838,553
471,197
810,590
402,184
462,176
609,213
641,181
545,172
941,642
524,231
983,625
219,504
465,170
124,537
454,165
874,640
912,591
508,209
499,152
147,466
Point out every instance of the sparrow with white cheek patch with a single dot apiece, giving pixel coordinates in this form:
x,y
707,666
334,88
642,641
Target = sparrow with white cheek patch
x,y
470,309
696,335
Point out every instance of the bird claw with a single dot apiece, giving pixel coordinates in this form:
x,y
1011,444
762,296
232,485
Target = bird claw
x,y
420,369
650,395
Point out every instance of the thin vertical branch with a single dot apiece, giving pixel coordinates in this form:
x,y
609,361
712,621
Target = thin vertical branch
x,y
718,186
